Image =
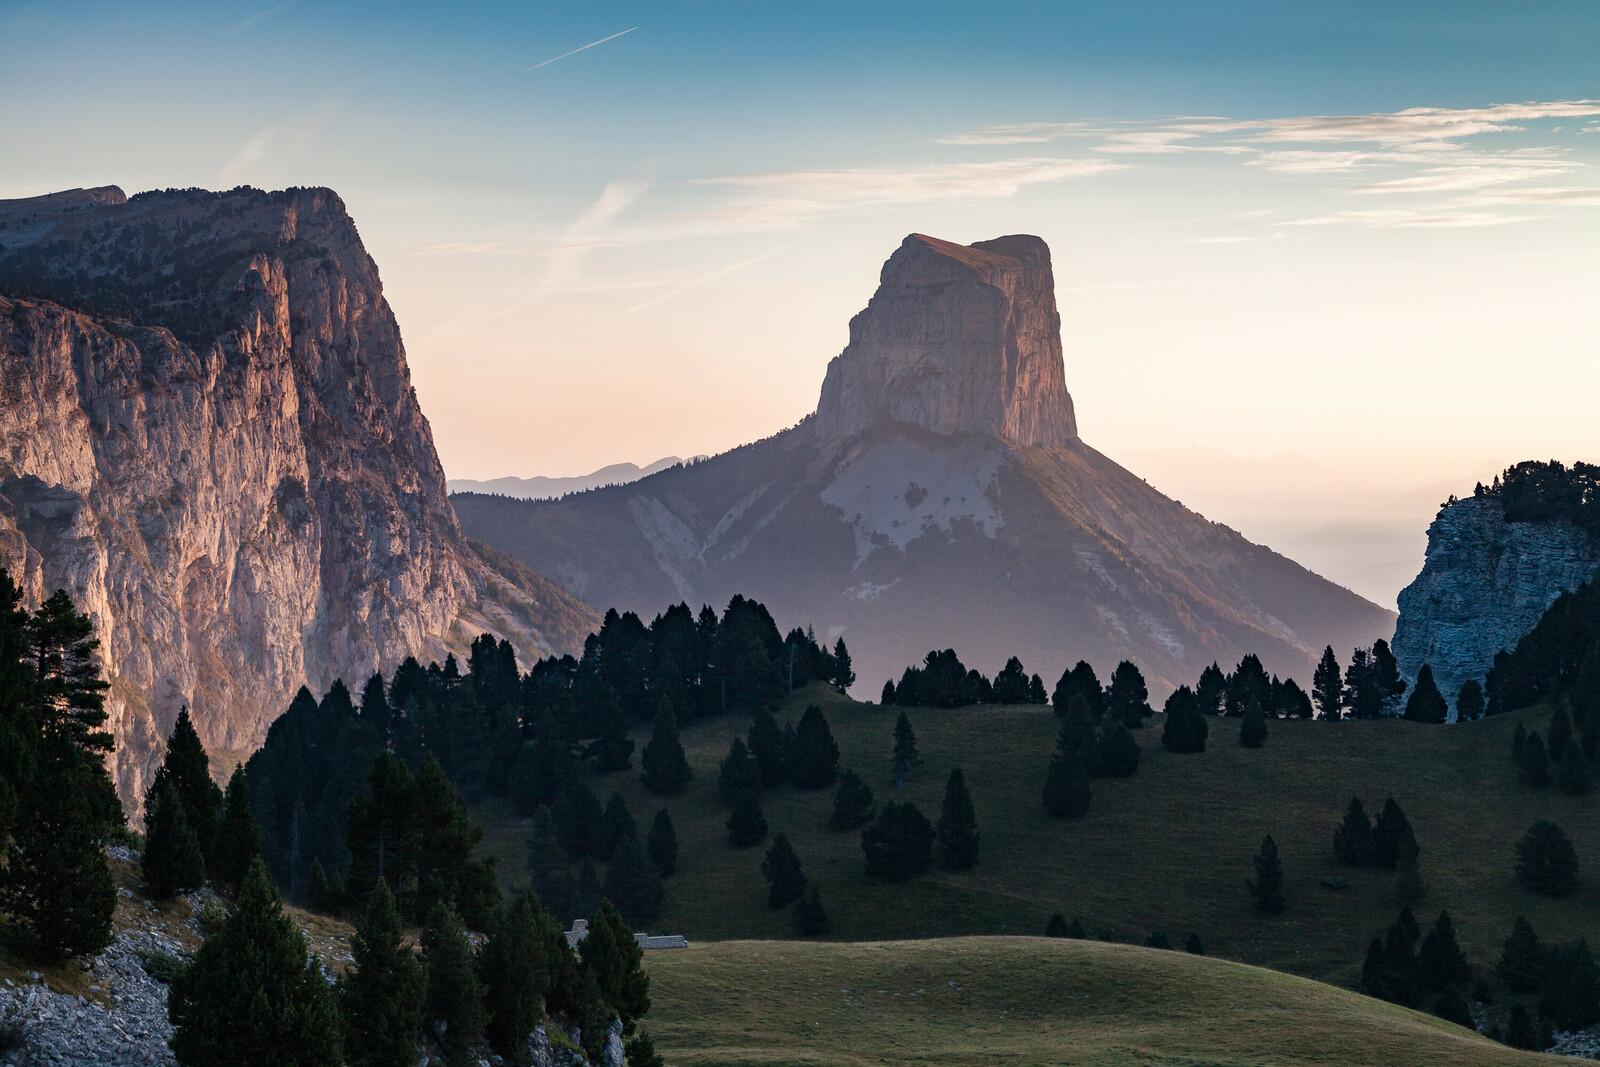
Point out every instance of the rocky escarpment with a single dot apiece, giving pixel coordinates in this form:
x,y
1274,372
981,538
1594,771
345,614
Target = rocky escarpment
x,y
957,339
209,438
1484,584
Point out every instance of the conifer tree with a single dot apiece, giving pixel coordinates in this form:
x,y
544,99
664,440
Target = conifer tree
x,y
1352,844
172,862
1157,939
1075,930
1253,730
252,996
1057,926
1211,689
899,843
1520,1032
1426,703
1327,686
662,844
1194,946
814,758
633,885
67,687
612,749
641,1052
666,769
852,802
1388,831
887,698
612,958
740,774
1534,762
1067,791
454,1004
384,991
746,825
766,745
905,758
1521,963
844,676
1559,734
577,814
515,975
1440,961
1116,753
1267,888
786,879
957,828
616,824
589,891
1409,886
1127,697
1077,730
238,836
1011,684
548,871
1452,1007
446,837
1519,740
1469,701
810,918
1572,774
1546,861
1186,728
188,769
1080,680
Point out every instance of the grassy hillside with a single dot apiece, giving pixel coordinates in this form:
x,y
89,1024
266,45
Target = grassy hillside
x,y
1168,849
957,1001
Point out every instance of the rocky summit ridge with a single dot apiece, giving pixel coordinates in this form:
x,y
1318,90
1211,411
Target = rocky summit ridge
x,y
940,497
209,438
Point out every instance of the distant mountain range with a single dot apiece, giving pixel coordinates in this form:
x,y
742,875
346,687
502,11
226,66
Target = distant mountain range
x,y
541,488
941,497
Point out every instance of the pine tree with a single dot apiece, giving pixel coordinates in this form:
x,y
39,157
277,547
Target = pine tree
x,y
1388,831
785,877
887,698
1452,1007
1426,703
454,1004
957,828
746,825
612,749
662,844
1520,1032
68,689
1116,753
1186,728
612,958
1519,741
1409,886
852,802
589,890
252,996
1057,926
188,769
1075,930
766,745
1386,678
1469,701
1352,844
1253,729
740,774
172,862
899,843
1572,774
548,872
1534,763
1127,697
814,758
1559,734
1546,860
1521,963
238,836
843,674
1327,687
1211,689
515,977
633,885
1267,888
1011,684
1440,961
383,993
1080,680
810,918
446,837
1067,791
905,758
616,825
666,769
1194,946
577,814
641,1052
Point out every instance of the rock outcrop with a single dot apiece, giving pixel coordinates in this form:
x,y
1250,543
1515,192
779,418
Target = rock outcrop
x,y
1484,584
209,438
957,339
940,498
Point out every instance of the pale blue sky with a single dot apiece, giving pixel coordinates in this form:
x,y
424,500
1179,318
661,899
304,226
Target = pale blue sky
x,y
653,246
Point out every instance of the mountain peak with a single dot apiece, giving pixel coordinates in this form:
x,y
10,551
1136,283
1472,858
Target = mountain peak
x,y
957,339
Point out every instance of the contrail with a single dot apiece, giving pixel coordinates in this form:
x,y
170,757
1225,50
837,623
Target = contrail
x,y
575,51
720,272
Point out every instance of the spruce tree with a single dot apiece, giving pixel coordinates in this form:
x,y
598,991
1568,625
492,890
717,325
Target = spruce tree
x,y
766,745
1426,703
1116,753
740,774
887,698
1194,946
188,769
1534,763
746,825
253,996
1327,686
852,802
1253,730
1409,886
641,1052
454,1004
662,844
577,814
1036,693
899,843
1077,730
1520,1032
1211,689
1186,728
666,769
1067,791
844,675
1057,926
1469,701
1452,1007
1546,860
1440,961
1267,888
446,837
1572,774
611,958
1388,831
1127,697
516,973
383,993
589,890
957,828
67,688
814,758
810,918
1352,844
1559,734
238,836
786,879
1521,963
905,758
548,872
616,825
611,749
172,862
633,885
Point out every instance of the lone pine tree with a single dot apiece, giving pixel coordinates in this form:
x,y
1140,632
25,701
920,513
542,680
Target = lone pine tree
x,y
1426,703
852,802
1267,888
899,843
814,755
1546,861
662,844
1352,843
957,828
786,879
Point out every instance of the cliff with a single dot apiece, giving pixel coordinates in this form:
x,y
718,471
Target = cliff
x,y
1484,584
209,438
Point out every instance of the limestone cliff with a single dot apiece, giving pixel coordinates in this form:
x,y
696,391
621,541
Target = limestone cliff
x,y
956,339
1484,583
209,438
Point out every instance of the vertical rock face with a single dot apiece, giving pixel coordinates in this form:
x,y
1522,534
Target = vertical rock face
x,y
957,339
1484,584
209,438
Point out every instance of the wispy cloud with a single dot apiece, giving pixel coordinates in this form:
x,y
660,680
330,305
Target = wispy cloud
x,y
1402,219
243,161
583,48
588,230
1477,171
720,272
1588,197
260,15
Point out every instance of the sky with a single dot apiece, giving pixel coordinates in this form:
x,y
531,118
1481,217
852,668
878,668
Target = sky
x,y
1289,238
